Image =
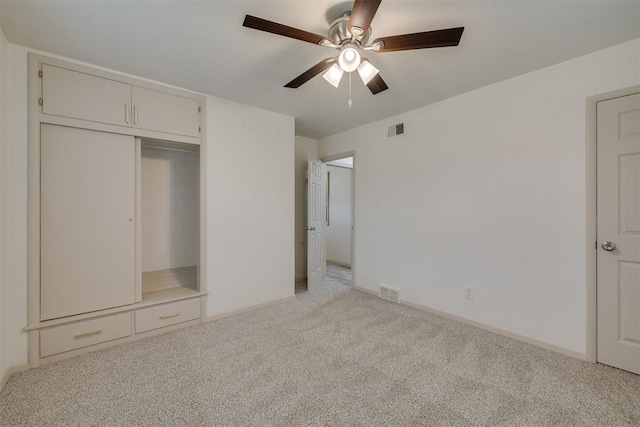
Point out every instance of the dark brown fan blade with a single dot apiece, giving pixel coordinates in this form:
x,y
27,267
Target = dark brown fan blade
x,y
427,39
377,85
282,30
363,13
311,73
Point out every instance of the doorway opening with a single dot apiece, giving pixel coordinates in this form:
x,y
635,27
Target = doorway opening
x,y
339,220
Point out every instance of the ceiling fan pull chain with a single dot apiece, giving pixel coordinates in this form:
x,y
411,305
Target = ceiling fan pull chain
x,y
350,103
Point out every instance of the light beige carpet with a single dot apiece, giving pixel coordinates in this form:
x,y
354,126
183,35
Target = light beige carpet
x,y
331,357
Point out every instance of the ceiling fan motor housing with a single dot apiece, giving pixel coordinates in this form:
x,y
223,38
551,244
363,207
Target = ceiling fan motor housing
x,y
339,31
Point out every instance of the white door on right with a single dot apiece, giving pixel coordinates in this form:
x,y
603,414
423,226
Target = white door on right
x,y
315,226
619,232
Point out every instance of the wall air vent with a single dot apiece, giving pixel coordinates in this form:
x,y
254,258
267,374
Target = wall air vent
x,y
396,130
389,293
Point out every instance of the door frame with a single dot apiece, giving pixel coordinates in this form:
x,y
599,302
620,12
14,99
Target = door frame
x,y
331,158
591,218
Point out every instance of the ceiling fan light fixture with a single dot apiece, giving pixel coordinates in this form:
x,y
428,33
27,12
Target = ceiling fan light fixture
x,y
334,75
349,59
367,71
349,34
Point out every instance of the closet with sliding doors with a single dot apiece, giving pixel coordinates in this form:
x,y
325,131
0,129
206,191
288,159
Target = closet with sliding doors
x,y
116,209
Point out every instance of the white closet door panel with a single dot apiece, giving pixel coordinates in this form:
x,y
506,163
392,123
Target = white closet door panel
x,y
78,95
163,112
87,221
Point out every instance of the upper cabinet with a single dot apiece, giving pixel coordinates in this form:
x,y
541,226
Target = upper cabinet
x,y
153,110
68,93
102,100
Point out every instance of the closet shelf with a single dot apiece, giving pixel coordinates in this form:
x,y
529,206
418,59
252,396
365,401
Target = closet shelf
x,y
169,294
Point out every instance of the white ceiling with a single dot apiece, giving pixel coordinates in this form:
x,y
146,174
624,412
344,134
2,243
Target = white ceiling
x,y
202,46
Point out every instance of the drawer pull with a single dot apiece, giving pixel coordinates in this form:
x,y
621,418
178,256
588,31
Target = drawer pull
x,y
87,334
168,315
127,113
135,114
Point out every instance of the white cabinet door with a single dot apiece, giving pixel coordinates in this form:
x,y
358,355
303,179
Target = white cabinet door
x,y
163,112
87,221
82,96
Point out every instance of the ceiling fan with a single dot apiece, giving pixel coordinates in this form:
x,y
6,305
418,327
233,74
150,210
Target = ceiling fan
x,y
349,34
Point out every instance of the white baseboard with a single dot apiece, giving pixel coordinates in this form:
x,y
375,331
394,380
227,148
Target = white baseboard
x,y
369,291
10,371
499,331
247,309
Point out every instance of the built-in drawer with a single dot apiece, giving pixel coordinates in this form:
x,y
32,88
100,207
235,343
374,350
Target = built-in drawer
x,y
160,316
83,334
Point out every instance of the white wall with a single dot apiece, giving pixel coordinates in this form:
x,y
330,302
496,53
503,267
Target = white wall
x,y
304,147
338,231
169,209
250,207
487,189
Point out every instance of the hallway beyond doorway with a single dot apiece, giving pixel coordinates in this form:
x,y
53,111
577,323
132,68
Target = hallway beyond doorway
x,y
339,273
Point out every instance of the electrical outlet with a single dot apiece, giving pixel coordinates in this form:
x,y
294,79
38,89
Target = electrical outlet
x,y
468,292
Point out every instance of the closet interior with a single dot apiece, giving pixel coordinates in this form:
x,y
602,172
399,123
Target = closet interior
x,y
170,208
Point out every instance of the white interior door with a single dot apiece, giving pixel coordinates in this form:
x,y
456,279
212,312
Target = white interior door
x,y
619,232
315,222
87,221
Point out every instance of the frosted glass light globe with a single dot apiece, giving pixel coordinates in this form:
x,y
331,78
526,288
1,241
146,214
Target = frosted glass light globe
x,y
333,75
349,59
367,71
